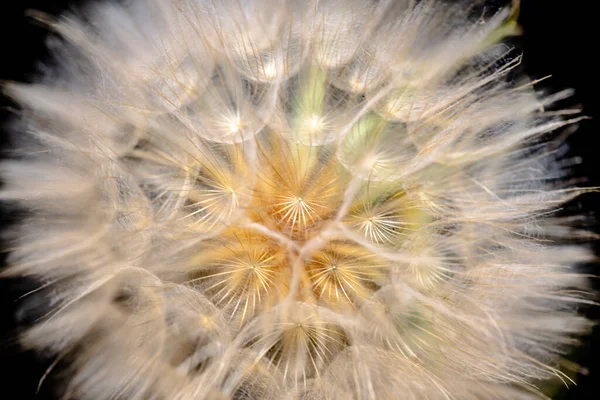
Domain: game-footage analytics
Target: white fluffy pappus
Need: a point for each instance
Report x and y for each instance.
(268, 199)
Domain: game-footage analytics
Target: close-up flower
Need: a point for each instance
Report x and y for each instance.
(279, 199)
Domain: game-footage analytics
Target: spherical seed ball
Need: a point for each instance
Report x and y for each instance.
(275, 199)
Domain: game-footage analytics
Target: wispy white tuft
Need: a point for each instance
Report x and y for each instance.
(274, 199)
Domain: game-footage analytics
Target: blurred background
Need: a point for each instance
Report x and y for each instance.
(558, 40)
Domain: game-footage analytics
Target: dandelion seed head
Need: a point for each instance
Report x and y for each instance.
(277, 199)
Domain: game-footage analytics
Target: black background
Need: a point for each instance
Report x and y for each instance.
(560, 39)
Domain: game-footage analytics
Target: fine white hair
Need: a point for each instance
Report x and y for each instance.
(270, 199)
